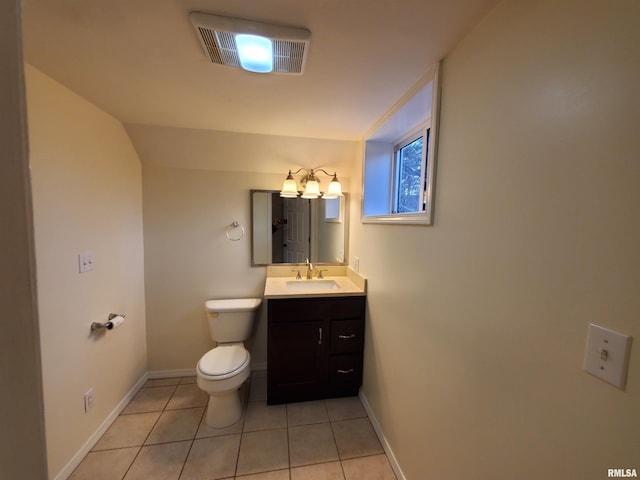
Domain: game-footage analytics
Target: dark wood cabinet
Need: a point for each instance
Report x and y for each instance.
(314, 348)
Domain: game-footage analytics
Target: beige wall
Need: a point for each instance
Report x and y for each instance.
(477, 325)
(87, 196)
(188, 258)
(22, 442)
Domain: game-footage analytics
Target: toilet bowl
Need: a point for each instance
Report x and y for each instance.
(222, 371)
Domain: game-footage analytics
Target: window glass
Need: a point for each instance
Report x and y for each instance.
(409, 177)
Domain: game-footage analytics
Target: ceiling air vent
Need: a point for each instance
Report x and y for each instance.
(218, 35)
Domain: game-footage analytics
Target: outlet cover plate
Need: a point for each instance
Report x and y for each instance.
(85, 261)
(607, 355)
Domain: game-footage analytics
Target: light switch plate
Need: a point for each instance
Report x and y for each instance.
(607, 355)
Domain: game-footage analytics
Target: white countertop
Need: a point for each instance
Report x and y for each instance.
(349, 283)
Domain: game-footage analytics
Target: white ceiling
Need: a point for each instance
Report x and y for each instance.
(140, 60)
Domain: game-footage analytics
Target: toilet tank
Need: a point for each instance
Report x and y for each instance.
(231, 320)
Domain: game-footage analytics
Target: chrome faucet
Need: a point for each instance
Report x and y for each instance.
(309, 269)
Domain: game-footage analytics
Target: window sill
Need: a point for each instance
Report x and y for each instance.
(423, 218)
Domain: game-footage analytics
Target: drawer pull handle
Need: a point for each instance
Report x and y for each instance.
(346, 337)
(346, 371)
(320, 336)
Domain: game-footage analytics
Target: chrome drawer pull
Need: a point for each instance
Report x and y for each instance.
(320, 336)
(346, 371)
(345, 337)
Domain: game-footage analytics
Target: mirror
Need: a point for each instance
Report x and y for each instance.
(290, 230)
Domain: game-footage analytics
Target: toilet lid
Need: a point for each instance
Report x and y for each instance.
(223, 360)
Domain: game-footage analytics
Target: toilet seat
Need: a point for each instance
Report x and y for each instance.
(223, 362)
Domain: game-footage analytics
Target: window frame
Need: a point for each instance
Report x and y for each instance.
(385, 152)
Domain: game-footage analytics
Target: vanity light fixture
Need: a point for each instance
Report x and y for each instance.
(254, 46)
(311, 185)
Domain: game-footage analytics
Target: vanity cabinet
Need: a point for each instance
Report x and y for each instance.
(314, 348)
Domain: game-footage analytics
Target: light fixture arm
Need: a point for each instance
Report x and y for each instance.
(311, 173)
(323, 171)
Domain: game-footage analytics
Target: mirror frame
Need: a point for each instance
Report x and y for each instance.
(344, 219)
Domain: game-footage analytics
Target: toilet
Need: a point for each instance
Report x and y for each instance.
(222, 370)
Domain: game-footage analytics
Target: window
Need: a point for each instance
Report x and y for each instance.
(409, 179)
(399, 160)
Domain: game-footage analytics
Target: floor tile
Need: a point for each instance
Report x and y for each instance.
(212, 458)
(107, 465)
(375, 467)
(310, 444)
(278, 475)
(345, 408)
(304, 413)
(263, 451)
(188, 380)
(162, 382)
(322, 471)
(261, 416)
(176, 425)
(159, 462)
(356, 438)
(187, 396)
(127, 431)
(152, 399)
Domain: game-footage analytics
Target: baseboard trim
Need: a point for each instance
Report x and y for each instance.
(187, 372)
(259, 366)
(93, 439)
(383, 440)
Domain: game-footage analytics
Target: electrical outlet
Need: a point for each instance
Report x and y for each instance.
(88, 400)
(85, 261)
(356, 264)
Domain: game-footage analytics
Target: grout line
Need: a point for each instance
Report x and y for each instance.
(335, 441)
(243, 419)
(286, 422)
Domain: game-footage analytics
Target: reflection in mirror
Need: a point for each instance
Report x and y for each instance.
(290, 230)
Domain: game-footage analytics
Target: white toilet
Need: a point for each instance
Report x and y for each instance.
(221, 371)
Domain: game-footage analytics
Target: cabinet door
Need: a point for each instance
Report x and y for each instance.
(297, 361)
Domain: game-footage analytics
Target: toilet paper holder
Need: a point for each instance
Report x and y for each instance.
(108, 324)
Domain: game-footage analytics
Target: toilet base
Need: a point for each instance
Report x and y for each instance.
(224, 409)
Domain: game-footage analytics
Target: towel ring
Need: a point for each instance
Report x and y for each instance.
(232, 228)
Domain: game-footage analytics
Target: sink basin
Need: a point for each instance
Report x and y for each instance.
(312, 285)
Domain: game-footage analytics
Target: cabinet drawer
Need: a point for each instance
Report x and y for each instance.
(347, 336)
(292, 310)
(345, 374)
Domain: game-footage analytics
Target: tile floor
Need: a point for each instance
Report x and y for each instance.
(161, 435)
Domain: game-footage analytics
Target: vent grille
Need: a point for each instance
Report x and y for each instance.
(289, 55)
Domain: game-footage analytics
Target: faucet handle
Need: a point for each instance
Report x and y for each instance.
(320, 276)
(298, 276)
